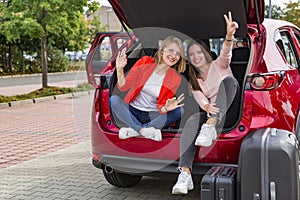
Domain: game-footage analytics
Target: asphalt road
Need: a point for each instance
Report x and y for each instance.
(17, 85)
(7, 81)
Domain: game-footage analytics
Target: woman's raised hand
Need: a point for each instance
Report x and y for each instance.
(231, 25)
(121, 60)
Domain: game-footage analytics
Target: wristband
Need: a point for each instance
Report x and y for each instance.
(165, 109)
(229, 40)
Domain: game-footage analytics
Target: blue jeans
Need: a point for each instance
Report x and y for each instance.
(138, 119)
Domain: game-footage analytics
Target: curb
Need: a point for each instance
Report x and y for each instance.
(43, 99)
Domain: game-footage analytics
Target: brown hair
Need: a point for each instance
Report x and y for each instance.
(193, 72)
(180, 66)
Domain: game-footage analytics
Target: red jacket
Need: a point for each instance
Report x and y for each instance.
(138, 76)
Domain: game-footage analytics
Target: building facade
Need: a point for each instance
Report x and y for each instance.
(107, 18)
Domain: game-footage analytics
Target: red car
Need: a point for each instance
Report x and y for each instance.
(265, 62)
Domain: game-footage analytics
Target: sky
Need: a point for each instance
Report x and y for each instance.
(104, 3)
(277, 2)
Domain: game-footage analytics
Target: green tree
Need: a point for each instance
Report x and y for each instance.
(292, 13)
(55, 23)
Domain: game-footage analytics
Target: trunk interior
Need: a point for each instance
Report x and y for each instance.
(239, 63)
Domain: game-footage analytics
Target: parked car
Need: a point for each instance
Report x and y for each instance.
(83, 56)
(72, 55)
(265, 62)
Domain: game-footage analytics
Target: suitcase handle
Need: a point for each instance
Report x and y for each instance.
(256, 196)
(272, 191)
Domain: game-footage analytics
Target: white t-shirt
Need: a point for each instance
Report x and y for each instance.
(147, 98)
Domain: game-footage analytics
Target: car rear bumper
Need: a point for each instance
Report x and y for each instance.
(147, 166)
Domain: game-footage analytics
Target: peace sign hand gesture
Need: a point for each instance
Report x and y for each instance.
(174, 103)
(231, 26)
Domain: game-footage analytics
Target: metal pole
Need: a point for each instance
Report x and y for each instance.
(270, 9)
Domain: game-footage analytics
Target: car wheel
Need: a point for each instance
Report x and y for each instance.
(119, 179)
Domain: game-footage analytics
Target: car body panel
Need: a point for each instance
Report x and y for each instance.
(274, 60)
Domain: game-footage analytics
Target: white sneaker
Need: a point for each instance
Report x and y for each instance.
(151, 133)
(184, 183)
(207, 134)
(127, 132)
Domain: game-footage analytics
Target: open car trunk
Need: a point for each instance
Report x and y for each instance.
(150, 21)
(239, 63)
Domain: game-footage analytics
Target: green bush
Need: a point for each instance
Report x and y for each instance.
(57, 61)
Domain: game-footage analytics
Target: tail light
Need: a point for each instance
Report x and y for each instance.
(265, 81)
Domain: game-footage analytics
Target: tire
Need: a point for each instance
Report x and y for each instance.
(119, 179)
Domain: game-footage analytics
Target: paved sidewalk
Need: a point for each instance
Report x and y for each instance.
(69, 174)
(30, 130)
(45, 154)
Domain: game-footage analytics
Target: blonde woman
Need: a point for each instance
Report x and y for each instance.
(151, 84)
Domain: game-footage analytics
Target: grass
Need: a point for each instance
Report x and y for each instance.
(44, 92)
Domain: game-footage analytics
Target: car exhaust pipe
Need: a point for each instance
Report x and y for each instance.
(108, 169)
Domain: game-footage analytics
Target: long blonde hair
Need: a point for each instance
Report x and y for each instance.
(180, 66)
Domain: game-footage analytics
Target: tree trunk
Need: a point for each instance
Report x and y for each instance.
(23, 62)
(9, 59)
(44, 62)
(3, 58)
